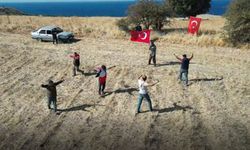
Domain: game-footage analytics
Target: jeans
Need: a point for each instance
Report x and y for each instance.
(53, 101)
(140, 98)
(75, 68)
(101, 88)
(183, 76)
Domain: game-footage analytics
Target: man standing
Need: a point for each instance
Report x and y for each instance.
(76, 63)
(152, 55)
(54, 35)
(102, 74)
(184, 67)
(143, 93)
(51, 93)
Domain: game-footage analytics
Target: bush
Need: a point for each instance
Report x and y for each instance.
(123, 24)
(238, 22)
(148, 13)
(186, 8)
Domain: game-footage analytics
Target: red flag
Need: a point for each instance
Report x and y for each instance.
(140, 36)
(194, 24)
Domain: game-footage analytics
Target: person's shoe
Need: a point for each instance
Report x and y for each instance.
(137, 112)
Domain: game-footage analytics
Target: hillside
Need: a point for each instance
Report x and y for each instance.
(212, 113)
(10, 11)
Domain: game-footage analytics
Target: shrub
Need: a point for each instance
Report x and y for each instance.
(148, 13)
(186, 8)
(238, 22)
(123, 24)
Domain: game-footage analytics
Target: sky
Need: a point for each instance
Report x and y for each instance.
(57, 0)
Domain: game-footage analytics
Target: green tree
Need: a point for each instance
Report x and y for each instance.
(148, 13)
(186, 8)
(238, 22)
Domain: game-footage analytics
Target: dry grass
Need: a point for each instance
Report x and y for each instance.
(211, 30)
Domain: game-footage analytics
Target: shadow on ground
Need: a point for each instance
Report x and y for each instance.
(127, 89)
(78, 108)
(175, 108)
(206, 79)
(171, 63)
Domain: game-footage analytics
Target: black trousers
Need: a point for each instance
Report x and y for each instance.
(55, 40)
(150, 58)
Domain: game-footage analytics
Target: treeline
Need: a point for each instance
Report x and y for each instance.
(155, 14)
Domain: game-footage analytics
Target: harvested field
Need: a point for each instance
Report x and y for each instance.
(212, 113)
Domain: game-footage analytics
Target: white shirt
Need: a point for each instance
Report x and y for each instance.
(142, 86)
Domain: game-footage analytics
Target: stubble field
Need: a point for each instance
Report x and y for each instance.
(212, 113)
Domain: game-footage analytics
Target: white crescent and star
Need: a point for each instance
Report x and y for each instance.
(145, 35)
(194, 22)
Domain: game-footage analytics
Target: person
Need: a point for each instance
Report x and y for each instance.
(102, 77)
(54, 35)
(51, 93)
(184, 67)
(76, 63)
(138, 27)
(143, 93)
(152, 55)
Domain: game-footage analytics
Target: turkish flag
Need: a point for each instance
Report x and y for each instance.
(140, 36)
(194, 24)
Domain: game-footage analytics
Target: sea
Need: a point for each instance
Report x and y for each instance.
(92, 8)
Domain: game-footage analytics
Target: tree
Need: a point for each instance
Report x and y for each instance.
(149, 13)
(238, 22)
(186, 8)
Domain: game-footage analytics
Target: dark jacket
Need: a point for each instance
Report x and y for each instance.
(51, 88)
(54, 35)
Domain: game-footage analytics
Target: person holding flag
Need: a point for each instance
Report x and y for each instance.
(140, 36)
(194, 25)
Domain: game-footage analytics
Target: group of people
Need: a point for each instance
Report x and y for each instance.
(101, 74)
(143, 92)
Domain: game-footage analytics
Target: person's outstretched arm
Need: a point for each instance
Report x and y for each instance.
(44, 86)
(152, 84)
(178, 57)
(59, 82)
(98, 73)
(191, 57)
(139, 77)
